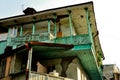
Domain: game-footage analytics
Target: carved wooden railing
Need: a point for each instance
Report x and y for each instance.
(37, 37)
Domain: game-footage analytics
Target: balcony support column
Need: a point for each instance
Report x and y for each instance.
(88, 24)
(33, 29)
(90, 31)
(49, 26)
(9, 37)
(21, 30)
(89, 27)
(29, 62)
(70, 23)
(71, 27)
(9, 32)
(55, 25)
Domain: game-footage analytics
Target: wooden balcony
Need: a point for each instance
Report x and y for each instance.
(75, 40)
(45, 37)
(83, 49)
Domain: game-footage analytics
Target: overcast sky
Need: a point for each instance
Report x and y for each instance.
(107, 15)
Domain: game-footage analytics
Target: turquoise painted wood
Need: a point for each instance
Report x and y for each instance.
(22, 39)
(76, 40)
(9, 37)
(48, 26)
(2, 46)
(55, 25)
(82, 49)
(84, 53)
(33, 29)
(70, 23)
(21, 30)
(89, 27)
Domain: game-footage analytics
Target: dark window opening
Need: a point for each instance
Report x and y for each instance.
(51, 68)
(2, 68)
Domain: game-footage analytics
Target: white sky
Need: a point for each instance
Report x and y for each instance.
(107, 14)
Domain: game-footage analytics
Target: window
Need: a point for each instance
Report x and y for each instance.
(18, 63)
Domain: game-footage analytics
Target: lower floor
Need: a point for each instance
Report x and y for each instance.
(67, 68)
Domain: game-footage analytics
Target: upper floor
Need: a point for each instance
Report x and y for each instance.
(70, 25)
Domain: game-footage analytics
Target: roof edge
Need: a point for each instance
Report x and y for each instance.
(72, 5)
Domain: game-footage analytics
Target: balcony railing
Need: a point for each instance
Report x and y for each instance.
(76, 40)
(38, 76)
(37, 37)
(45, 37)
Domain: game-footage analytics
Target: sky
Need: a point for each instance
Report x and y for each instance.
(107, 15)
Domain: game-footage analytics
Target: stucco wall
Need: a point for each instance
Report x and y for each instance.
(68, 67)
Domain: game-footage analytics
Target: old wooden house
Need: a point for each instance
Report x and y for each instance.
(54, 44)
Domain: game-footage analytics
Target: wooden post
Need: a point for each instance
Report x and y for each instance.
(21, 30)
(55, 25)
(70, 23)
(8, 62)
(49, 26)
(9, 37)
(29, 62)
(90, 32)
(33, 29)
(88, 24)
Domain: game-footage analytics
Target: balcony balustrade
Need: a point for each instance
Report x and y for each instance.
(76, 40)
(37, 37)
(46, 37)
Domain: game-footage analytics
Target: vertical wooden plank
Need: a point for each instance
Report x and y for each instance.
(29, 62)
(21, 30)
(9, 37)
(33, 29)
(71, 27)
(13, 58)
(70, 23)
(49, 26)
(88, 23)
(8, 62)
(55, 25)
